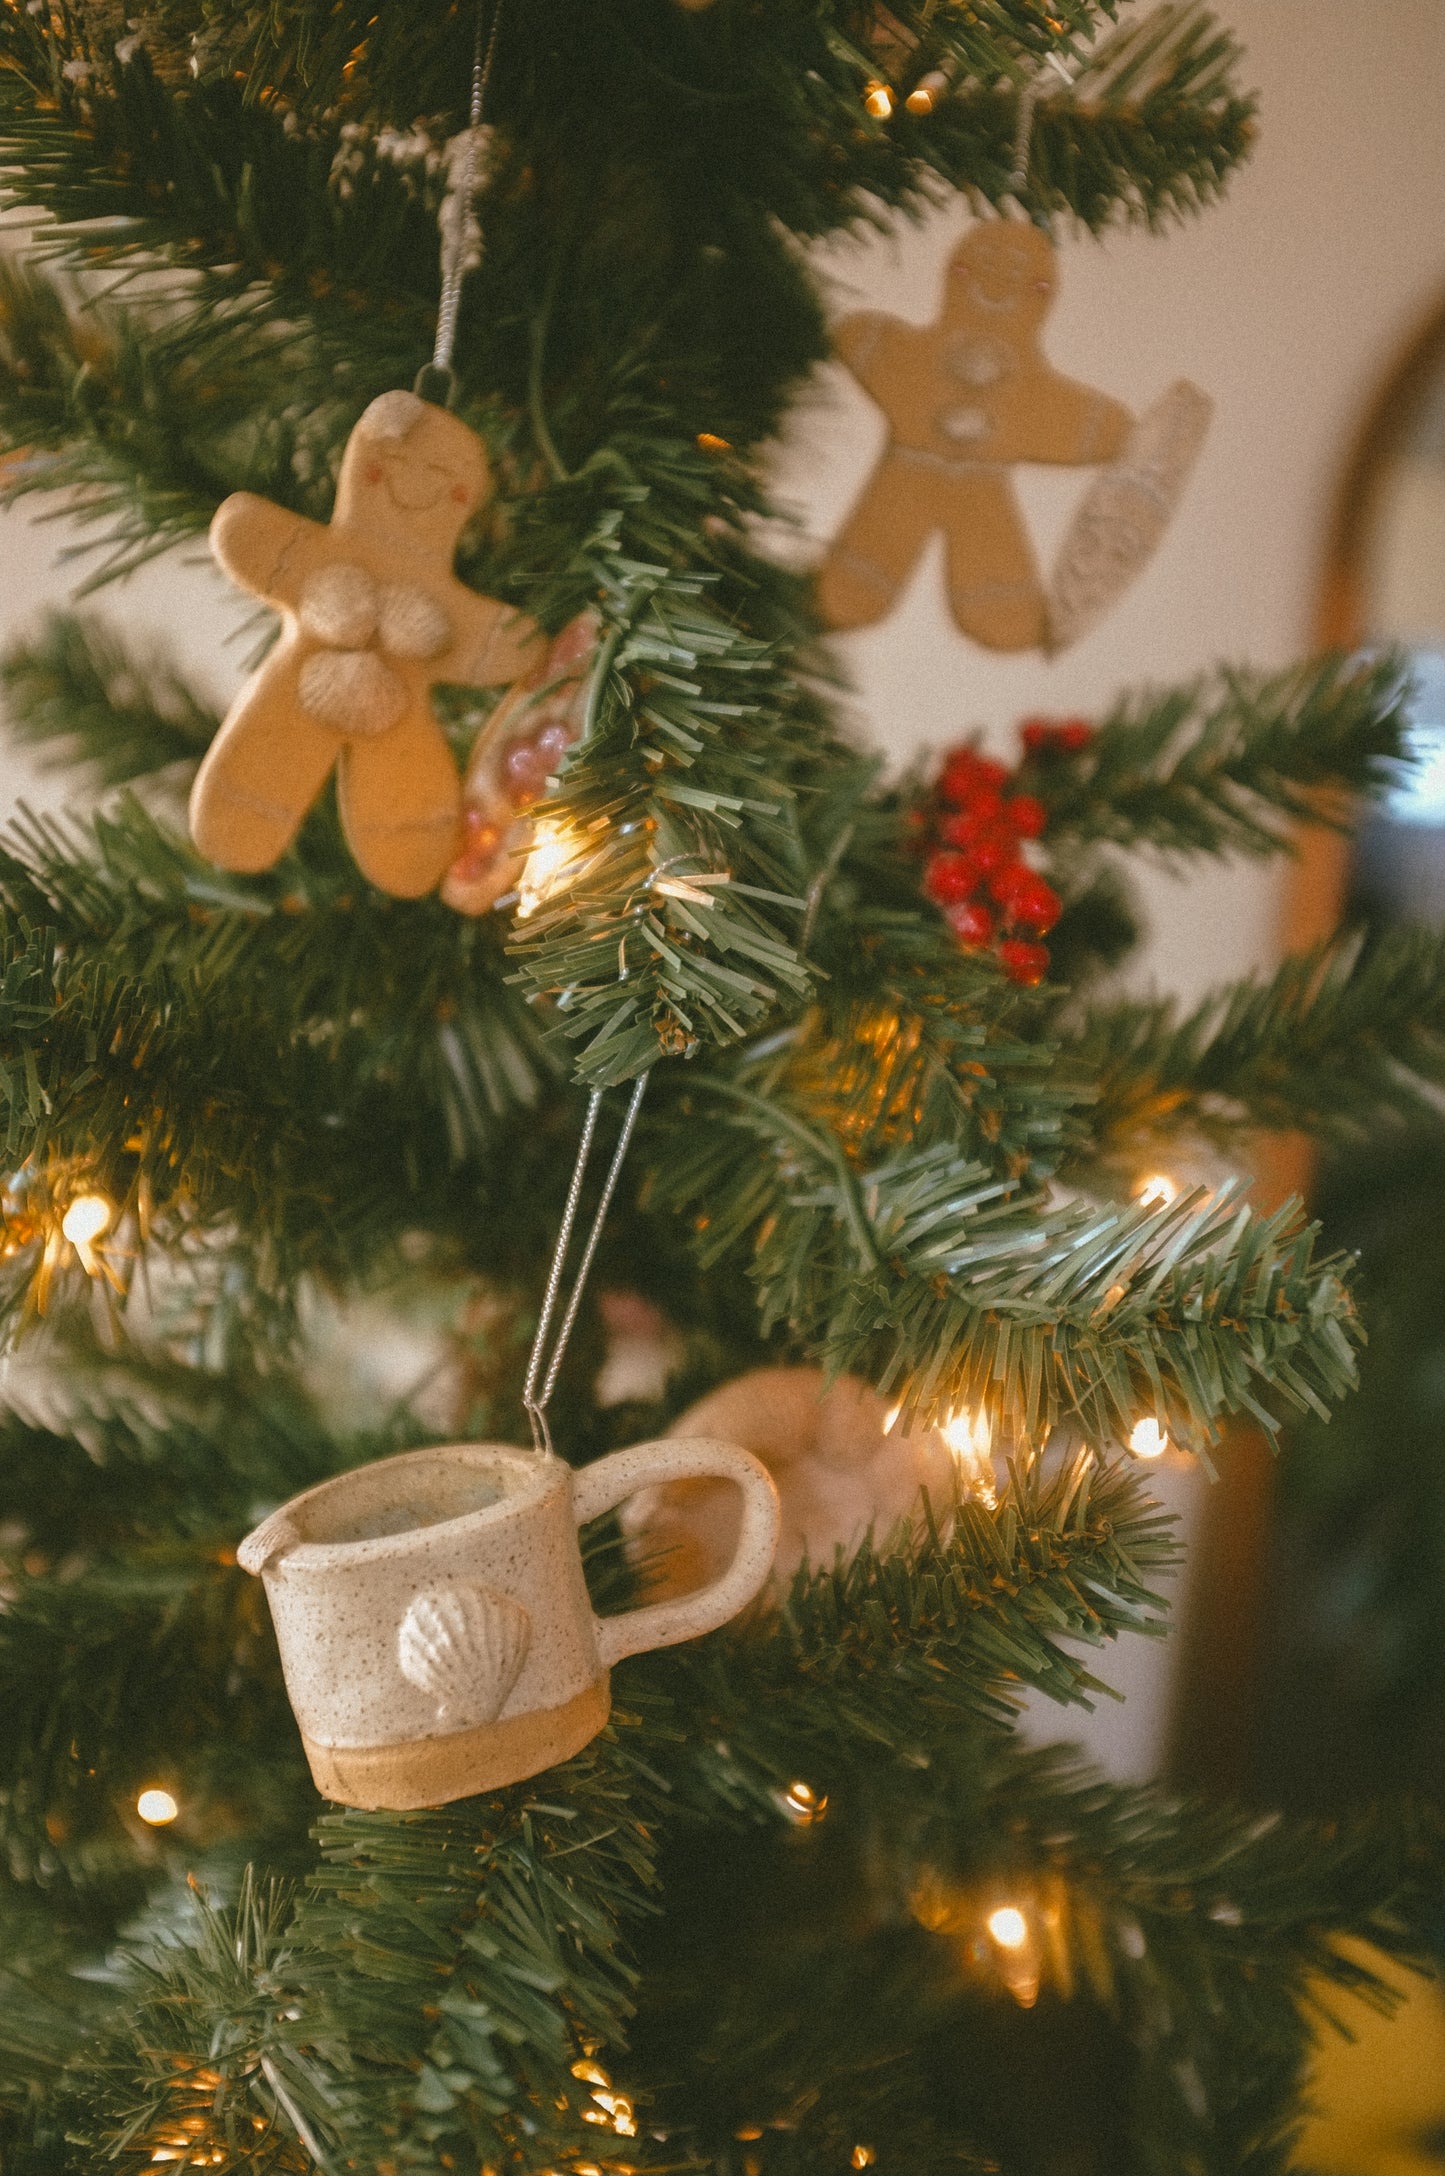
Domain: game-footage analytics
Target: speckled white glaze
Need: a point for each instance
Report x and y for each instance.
(393, 1586)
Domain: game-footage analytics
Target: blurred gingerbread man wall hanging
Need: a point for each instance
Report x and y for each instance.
(966, 399)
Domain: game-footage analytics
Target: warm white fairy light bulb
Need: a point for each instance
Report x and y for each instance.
(1157, 1191)
(804, 1804)
(879, 101)
(87, 1219)
(156, 1807)
(969, 1437)
(1147, 1439)
(926, 92)
(553, 852)
(1008, 1927)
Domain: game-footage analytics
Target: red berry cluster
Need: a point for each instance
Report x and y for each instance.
(1055, 736)
(972, 828)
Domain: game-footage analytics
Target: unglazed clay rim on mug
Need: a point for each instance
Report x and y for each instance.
(536, 1478)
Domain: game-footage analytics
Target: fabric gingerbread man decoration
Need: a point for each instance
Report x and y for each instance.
(965, 398)
(372, 616)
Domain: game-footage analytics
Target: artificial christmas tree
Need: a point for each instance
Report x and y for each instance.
(804, 1903)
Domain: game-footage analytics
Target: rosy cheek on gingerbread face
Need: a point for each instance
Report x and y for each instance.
(461, 494)
(372, 473)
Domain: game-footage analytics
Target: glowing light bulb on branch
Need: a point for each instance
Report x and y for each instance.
(156, 1807)
(84, 1223)
(1157, 1191)
(1017, 1959)
(550, 862)
(969, 1437)
(926, 92)
(87, 1219)
(879, 101)
(804, 1804)
(1148, 1440)
(1008, 1927)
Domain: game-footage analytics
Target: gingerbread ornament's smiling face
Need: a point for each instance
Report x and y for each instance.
(1001, 276)
(408, 463)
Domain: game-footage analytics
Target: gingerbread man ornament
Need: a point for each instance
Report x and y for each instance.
(372, 615)
(965, 398)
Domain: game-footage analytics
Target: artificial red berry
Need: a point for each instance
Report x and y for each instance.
(1074, 734)
(1036, 904)
(966, 773)
(949, 877)
(995, 849)
(972, 923)
(1024, 963)
(1010, 882)
(957, 779)
(977, 815)
(1027, 814)
(958, 833)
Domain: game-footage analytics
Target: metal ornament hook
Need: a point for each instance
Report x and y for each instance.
(437, 377)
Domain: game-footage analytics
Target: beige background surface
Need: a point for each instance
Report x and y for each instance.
(1287, 304)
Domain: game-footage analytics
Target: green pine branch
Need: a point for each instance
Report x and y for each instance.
(1224, 764)
(107, 1451)
(673, 925)
(1212, 1934)
(447, 1970)
(908, 1040)
(196, 2049)
(92, 703)
(905, 1648)
(348, 54)
(443, 1973)
(827, 1977)
(1339, 1040)
(130, 1671)
(1150, 130)
(137, 161)
(147, 420)
(295, 1049)
(933, 1277)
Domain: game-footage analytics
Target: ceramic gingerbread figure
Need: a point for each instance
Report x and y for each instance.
(372, 616)
(965, 398)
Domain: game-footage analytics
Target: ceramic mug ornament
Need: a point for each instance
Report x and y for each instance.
(433, 1618)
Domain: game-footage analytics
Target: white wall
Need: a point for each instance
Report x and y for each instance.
(1287, 305)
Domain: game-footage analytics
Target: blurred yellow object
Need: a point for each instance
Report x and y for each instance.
(1381, 2096)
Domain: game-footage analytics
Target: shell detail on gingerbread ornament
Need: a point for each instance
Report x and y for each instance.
(840, 1476)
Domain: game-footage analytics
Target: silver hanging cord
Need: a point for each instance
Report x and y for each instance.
(537, 1405)
(1024, 131)
(456, 214)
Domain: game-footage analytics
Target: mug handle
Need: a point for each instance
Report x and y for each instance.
(597, 1488)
